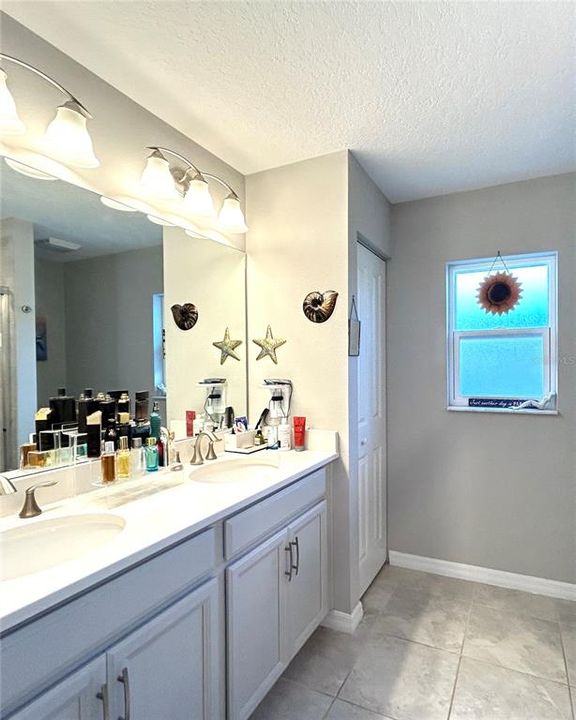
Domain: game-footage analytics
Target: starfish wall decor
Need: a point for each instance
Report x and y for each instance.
(269, 345)
(227, 347)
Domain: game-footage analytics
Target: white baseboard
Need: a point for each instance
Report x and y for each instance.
(344, 622)
(501, 578)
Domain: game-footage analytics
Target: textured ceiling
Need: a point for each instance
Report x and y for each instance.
(432, 97)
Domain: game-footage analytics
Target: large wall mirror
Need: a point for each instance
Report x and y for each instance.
(89, 298)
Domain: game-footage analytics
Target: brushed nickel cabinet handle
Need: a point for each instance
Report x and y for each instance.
(103, 695)
(296, 567)
(124, 678)
(288, 549)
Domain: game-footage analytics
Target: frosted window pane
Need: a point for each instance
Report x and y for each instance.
(507, 367)
(531, 311)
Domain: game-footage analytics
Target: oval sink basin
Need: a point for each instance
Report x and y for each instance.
(231, 471)
(43, 544)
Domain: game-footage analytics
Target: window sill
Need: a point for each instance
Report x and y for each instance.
(500, 411)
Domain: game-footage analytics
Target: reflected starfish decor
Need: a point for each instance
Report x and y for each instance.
(269, 345)
(227, 347)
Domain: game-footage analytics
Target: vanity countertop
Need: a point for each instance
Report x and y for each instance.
(158, 512)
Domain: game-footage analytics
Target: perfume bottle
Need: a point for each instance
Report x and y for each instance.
(108, 463)
(123, 459)
(137, 461)
(151, 454)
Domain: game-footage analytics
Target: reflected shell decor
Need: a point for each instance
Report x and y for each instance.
(499, 293)
(318, 307)
(185, 316)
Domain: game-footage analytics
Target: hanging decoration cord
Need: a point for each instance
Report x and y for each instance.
(498, 257)
(353, 309)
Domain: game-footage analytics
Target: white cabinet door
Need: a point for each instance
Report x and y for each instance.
(81, 696)
(307, 602)
(255, 597)
(170, 668)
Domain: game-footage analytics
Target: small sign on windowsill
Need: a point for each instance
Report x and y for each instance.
(494, 403)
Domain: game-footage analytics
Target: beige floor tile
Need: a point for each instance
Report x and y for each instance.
(566, 610)
(487, 692)
(437, 584)
(438, 621)
(325, 660)
(525, 644)
(568, 631)
(401, 679)
(291, 701)
(341, 710)
(376, 598)
(516, 601)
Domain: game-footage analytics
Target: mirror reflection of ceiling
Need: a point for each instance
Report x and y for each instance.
(66, 212)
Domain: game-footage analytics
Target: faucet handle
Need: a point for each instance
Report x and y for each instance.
(30, 507)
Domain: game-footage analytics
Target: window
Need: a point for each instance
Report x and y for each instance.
(498, 362)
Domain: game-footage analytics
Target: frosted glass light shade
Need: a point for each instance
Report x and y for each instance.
(157, 179)
(67, 137)
(10, 123)
(231, 216)
(198, 200)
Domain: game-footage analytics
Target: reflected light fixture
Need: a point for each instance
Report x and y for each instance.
(193, 185)
(10, 123)
(116, 204)
(66, 137)
(24, 169)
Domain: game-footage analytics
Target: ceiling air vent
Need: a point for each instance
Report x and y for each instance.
(57, 245)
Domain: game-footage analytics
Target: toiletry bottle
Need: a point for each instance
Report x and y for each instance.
(299, 432)
(94, 434)
(110, 432)
(108, 463)
(123, 459)
(151, 452)
(284, 435)
(86, 406)
(137, 461)
(63, 408)
(124, 403)
(155, 421)
(141, 406)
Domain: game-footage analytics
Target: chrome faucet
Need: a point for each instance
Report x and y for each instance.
(197, 457)
(7, 487)
(31, 507)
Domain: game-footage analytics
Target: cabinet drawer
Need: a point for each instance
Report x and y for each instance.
(51, 646)
(249, 526)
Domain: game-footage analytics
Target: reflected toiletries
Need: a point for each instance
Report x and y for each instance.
(151, 454)
(137, 461)
(284, 436)
(123, 459)
(108, 463)
(63, 408)
(86, 406)
(141, 406)
(94, 434)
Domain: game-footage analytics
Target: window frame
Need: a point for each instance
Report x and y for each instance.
(549, 333)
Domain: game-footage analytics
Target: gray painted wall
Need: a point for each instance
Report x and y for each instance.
(51, 305)
(109, 320)
(486, 489)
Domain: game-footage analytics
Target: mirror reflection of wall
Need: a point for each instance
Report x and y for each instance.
(86, 309)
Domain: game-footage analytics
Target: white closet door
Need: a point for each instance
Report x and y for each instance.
(371, 416)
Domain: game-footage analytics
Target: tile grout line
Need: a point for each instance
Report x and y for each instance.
(571, 698)
(461, 655)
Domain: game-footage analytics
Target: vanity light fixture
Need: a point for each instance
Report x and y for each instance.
(192, 184)
(24, 169)
(67, 136)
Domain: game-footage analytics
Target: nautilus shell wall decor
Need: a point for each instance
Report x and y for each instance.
(499, 293)
(185, 316)
(318, 307)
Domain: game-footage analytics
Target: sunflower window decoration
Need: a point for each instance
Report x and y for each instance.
(499, 292)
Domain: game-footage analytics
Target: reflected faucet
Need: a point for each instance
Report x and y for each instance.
(197, 458)
(7, 487)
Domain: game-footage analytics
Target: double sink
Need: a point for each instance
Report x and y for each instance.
(42, 544)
